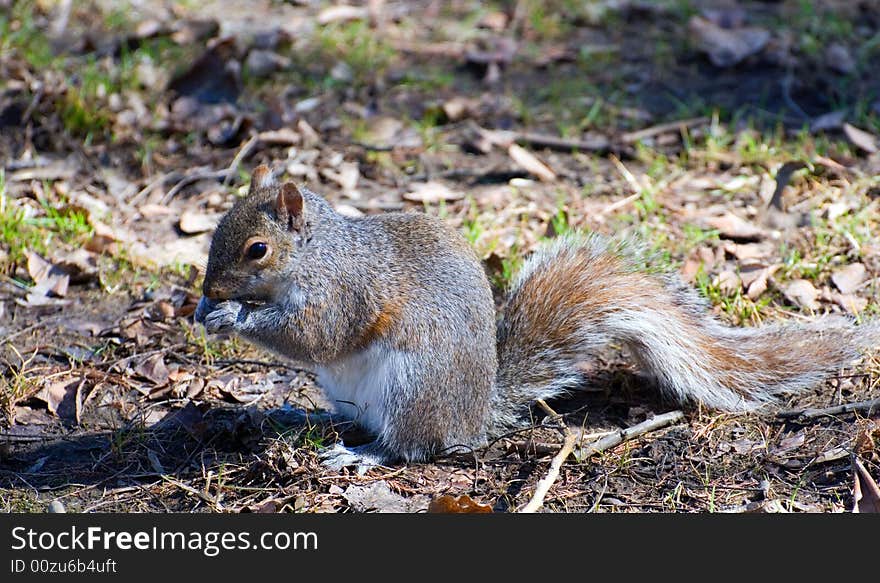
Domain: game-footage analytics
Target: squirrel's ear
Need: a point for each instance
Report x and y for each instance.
(289, 205)
(262, 177)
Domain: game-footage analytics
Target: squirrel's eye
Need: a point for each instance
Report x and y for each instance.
(257, 250)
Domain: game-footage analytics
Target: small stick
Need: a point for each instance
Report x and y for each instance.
(191, 178)
(242, 153)
(812, 413)
(633, 137)
(619, 437)
(557, 143)
(544, 485)
(619, 204)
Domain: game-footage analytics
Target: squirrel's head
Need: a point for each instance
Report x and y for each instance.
(256, 241)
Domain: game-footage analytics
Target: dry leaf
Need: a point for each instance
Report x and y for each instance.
(802, 293)
(63, 398)
(431, 193)
(378, 497)
(728, 281)
(531, 163)
(193, 222)
(866, 493)
(342, 13)
(731, 226)
(154, 370)
(848, 279)
(461, 505)
(347, 176)
(727, 47)
(852, 303)
(861, 138)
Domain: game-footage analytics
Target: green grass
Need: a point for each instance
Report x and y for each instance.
(19, 34)
(366, 53)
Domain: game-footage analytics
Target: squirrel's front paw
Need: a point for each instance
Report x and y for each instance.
(205, 307)
(222, 318)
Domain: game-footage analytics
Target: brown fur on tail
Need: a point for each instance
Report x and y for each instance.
(579, 294)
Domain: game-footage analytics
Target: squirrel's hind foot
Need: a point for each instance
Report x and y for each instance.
(362, 457)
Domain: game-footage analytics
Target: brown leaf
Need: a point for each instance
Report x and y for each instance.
(802, 293)
(431, 193)
(63, 398)
(193, 222)
(852, 303)
(461, 505)
(530, 162)
(342, 13)
(728, 281)
(731, 226)
(727, 47)
(379, 497)
(47, 277)
(154, 370)
(191, 419)
(861, 138)
(866, 493)
(848, 279)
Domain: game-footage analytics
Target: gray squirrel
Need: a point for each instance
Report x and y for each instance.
(395, 315)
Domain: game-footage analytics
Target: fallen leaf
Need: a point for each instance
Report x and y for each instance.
(190, 418)
(861, 138)
(790, 443)
(840, 58)
(431, 193)
(346, 176)
(731, 226)
(802, 293)
(728, 281)
(63, 398)
(866, 493)
(47, 277)
(727, 47)
(378, 497)
(459, 107)
(461, 505)
(747, 251)
(833, 120)
(154, 370)
(852, 303)
(529, 162)
(848, 279)
(193, 222)
(342, 13)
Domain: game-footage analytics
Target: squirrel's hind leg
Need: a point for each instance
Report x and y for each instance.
(362, 457)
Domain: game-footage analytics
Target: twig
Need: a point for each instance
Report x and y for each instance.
(151, 185)
(619, 437)
(191, 178)
(563, 144)
(553, 473)
(627, 175)
(619, 204)
(633, 137)
(241, 155)
(812, 413)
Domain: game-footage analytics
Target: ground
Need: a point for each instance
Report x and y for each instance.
(127, 129)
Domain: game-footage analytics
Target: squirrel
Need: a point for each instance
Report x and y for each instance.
(395, 315)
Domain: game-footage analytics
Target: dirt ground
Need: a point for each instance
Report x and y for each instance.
(739, 140)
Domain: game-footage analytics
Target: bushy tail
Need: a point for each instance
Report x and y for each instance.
(579, 294)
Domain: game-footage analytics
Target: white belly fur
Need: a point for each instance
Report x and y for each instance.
(357, 384)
